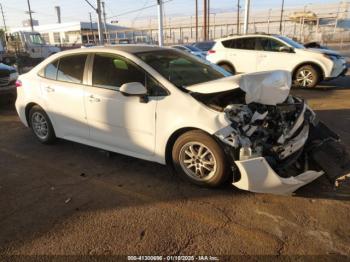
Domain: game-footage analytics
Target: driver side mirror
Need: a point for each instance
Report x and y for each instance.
(133, 89)
(286, 49)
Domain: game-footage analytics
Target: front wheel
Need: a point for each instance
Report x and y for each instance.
(198, 158)
(306, 76)
(41, 125)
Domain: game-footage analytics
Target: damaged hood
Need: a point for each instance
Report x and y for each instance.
(269, 88)
(323, 51)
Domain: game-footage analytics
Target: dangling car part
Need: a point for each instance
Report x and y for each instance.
(275, 139)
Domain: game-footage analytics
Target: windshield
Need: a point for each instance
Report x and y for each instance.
(291, 42)
(36, 39)
(181, 69)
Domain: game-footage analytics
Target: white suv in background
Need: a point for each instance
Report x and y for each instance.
(252, 53)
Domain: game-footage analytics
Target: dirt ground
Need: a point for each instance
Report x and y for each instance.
(70, 199)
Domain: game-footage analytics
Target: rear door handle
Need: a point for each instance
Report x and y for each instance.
(49, 89)
(94, 99)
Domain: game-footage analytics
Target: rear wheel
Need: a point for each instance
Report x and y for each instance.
(41, 125)
(306, 76)
(198, 158)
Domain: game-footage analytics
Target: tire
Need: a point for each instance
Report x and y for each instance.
(196, 168)
(41, 125)
(228, 68)
(306, 76)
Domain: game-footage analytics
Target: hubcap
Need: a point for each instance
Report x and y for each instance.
(197, 161)
(305, 78)
(39, 125)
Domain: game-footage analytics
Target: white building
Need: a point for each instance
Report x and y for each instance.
(73, 33)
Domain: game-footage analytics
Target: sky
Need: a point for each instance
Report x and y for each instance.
(125, 10)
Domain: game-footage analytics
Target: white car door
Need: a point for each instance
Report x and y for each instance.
(125, 123)
(63, 91)
(240, 52)
(274, 55)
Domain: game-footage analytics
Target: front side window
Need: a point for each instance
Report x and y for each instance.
(112, 71)
(179, 68)
(71, 68)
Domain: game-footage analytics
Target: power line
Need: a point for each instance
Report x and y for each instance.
(137, 10)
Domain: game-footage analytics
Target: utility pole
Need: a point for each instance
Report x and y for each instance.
(196, 20)
(205, 37)
(281, 18)
(99, 19)
(246, 16)
(30, 15)
(238, 9)
(99, 22)
(91, 30)
(104, 22)
(3, 18)
(208, 18)
(160, 22)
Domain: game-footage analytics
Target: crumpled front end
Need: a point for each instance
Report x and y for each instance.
(273, 147)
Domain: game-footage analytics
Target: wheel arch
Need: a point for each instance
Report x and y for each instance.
(317, 66)
(226, 62)
(29, 106)
(172, 139)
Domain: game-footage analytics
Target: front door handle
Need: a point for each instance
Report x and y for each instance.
(49, 89)
(94, 99)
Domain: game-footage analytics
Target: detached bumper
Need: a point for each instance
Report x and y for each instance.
(257, 176)
(338, 70)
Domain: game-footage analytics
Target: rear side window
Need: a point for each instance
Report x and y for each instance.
(50, 71)
(247, 43)
(71, 68)
(227, 43)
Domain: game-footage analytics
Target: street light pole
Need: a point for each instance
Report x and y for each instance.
(281, 16)
(246, 16)
(160, 22)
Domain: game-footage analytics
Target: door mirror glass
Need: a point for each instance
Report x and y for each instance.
(133, 89)
(286, 49)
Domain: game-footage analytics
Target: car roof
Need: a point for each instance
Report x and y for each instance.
(244, 36)
(130, 48)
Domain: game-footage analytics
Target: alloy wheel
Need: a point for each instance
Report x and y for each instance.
(197, 161)
(40, 125)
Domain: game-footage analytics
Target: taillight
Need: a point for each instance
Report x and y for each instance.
(211, 52)
(18, 83)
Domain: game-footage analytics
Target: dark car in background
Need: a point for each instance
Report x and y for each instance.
(8, 77)
(204, 46)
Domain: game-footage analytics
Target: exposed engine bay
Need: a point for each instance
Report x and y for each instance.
(271, 144)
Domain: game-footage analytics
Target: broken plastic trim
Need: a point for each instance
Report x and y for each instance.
(257, 176)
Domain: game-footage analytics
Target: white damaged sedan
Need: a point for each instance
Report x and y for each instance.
(163, 105)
